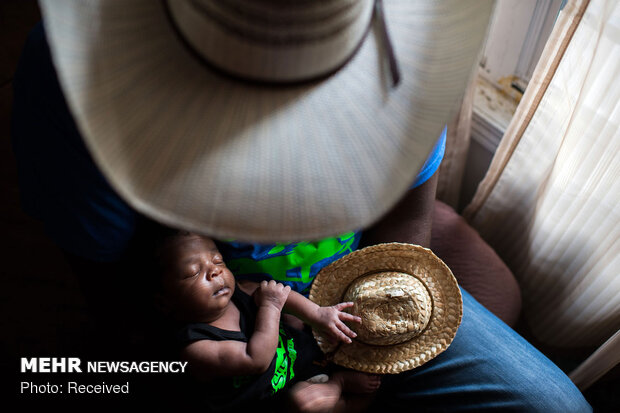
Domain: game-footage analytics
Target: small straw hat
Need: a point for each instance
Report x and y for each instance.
(409, 302)
(263, 120)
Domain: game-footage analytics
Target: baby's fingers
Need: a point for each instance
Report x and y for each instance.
(342, 327)
(337, 332)
(349, 317)
(342, 306)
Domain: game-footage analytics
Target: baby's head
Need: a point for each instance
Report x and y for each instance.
(196, 285)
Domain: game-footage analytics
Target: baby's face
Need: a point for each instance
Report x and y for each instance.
(196, 282)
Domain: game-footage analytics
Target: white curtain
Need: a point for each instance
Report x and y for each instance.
(550, 203)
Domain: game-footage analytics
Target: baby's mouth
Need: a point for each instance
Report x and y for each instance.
(221, 291)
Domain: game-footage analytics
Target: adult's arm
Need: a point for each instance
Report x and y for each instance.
(409, 221)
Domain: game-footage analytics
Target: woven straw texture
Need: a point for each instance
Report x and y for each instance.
(409, 302)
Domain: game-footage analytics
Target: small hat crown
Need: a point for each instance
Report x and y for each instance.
(273, 40)
(280, 22)
(394, 307)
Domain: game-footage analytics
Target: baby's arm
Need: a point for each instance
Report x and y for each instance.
(328, 320)
(210, 359)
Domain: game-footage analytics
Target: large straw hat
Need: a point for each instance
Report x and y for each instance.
(263, 120)
(409, 302)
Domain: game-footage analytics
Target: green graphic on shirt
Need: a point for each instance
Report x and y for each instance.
(285, 359)
(302, 257)
(292, 354)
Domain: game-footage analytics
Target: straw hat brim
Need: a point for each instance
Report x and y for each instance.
(331, 283)
(197, 150)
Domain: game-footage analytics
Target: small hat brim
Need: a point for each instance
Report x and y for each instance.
(197, 150)
(331, 283)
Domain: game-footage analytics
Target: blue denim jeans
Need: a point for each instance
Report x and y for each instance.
(488, 367)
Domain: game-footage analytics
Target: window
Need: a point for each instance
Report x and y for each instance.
(517, 35)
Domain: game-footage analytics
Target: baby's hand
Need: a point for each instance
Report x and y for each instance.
(271, 293)
(330, 321)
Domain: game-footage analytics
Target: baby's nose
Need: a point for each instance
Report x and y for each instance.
(214, 272)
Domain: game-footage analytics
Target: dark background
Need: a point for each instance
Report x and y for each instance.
(43, 312)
